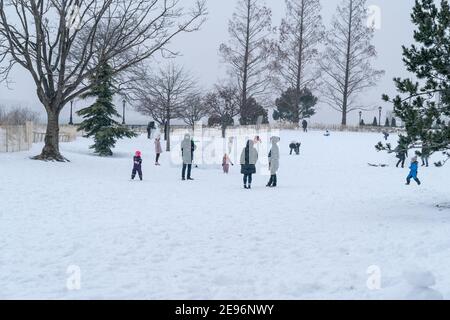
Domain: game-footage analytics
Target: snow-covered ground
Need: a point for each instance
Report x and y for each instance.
(315, 236)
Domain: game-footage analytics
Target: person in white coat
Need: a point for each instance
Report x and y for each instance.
(187, 152)
(274, 162)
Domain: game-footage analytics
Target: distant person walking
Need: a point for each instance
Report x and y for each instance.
(249, 157)
(305, 125)
(137, 165)
(158, 150)
(226, 161)
(414, 168)
(274, 162)
(187, 152)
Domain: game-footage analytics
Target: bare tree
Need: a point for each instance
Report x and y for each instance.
(250, 48)
(346, 61)
(301, 32)
(223, 105)
(61, 43)
(193, 110)
(163, 95)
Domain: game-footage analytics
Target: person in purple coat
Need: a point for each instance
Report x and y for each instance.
(137, 166)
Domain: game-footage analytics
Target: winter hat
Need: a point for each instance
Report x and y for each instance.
(414, 159)
(138, 153)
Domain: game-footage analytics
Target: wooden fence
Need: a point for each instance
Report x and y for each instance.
(16, 138)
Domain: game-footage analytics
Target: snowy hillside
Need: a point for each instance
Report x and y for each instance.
(315, 236)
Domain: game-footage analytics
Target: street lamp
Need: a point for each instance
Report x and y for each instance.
(71, 113)
(123, 114)
(360, 117)
(379, 116)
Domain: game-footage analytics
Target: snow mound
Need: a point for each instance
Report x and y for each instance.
(420, 283)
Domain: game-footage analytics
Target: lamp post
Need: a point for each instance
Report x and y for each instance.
(360, 117)
(123, 114)
(379, 116)
(71, 113)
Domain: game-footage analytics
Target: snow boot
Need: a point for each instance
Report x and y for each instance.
(274, 184)
(269, 184)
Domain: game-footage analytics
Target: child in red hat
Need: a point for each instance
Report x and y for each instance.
(137, 167)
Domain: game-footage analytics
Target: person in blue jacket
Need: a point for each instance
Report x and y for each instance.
(414, 168)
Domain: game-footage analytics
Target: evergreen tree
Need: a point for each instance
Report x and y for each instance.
(387, 123)
(99, 117)
(394, 123)
(251, 112)
(289, 109)
(375, 122)
(418, 105)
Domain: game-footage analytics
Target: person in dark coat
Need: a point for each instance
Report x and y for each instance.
(401, 155)
(425, 155)
(137, 166)
(386, 135)
(249, 157)
(305, 125)
(414, 168)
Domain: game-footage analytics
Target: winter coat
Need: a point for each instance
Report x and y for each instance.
(249, 157)
(187, 149)
(274, 156)
(158, 148)
(414, 168)
(304, 124)
(137, 161)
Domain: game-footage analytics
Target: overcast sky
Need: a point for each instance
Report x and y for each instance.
(199, 54)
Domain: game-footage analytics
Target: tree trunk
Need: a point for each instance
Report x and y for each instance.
(50, 152)
(168, 136)
(224, 129)
(347, 66)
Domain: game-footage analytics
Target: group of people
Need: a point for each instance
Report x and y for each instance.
(402, 154)
(248, 160)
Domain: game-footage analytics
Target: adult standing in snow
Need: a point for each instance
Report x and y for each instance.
(305, 125)
(249, 157)
(425, 155)
(274, 161)
(401, 155)
(414, 168)
(187, 152)
(158, 149)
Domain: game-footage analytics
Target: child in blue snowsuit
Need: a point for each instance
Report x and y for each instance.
(137, 166)
(414, 168)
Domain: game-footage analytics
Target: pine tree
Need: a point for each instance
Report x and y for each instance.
(387, 123)
(375, 122)
(289, 109)
(99, 117)
(423, 104)
(252, 111)
(394, 123)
